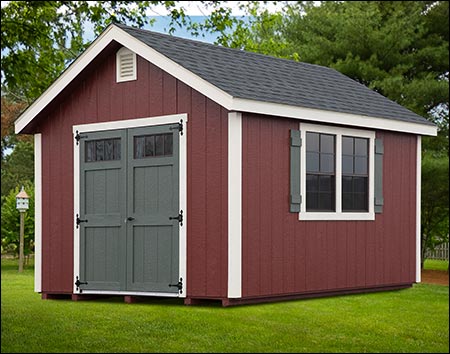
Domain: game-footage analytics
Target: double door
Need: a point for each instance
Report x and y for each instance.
(129, 210)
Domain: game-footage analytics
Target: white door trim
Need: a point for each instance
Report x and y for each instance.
(125, 124)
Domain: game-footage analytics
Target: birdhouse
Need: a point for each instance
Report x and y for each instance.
(22, 200)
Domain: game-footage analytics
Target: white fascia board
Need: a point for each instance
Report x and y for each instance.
(322, 116)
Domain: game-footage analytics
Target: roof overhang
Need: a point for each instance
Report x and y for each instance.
(114, 33)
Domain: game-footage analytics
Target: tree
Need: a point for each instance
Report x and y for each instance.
(435, 202)
(11, 222)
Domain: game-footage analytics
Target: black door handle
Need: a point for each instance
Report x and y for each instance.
(130, 218)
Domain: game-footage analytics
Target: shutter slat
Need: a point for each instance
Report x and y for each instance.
(295, 196)
(379, 200)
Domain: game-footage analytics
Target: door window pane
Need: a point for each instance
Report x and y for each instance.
(154, 145)
(102, 150)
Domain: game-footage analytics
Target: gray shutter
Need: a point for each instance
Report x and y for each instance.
(379, 200)
(295, 197)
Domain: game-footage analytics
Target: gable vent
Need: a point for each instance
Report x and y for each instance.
(126, 65)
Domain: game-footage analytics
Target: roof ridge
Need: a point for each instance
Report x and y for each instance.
(221, 47)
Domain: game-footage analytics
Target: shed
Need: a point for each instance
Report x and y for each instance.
(175, 168)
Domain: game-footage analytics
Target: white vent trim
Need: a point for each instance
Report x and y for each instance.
(126, 67)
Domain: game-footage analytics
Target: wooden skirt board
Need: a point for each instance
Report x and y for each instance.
(129, 208)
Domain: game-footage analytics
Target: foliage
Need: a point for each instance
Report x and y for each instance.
(11, 222)
(435, 202)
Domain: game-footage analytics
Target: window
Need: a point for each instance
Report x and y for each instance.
(102, 150)
(155, 145)
(336, 173)
(320, 172)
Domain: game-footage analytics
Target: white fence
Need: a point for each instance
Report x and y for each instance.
(440, 252)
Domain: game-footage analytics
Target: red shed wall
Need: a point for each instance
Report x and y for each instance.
(98, 98)
(285, 256)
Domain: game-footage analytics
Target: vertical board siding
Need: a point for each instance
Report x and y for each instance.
(282, 255)
(98, 98)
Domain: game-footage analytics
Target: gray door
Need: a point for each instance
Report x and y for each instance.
(129, 193)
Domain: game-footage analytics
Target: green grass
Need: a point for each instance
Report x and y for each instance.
(434, 264)
(410, 320)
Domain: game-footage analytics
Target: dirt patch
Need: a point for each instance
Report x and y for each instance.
(435, 277)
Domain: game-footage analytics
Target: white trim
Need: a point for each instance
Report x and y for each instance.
(206, 88)
(119, 75)
(125, 124)
(418, 206)
(135, 293)
(38, 213)
(338, 214)
(234, 205)
(323, 116)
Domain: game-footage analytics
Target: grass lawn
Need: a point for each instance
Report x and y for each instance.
(410, 320)
(433, 264)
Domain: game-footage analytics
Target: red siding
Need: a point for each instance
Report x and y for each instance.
(285, 256)
(98, 98)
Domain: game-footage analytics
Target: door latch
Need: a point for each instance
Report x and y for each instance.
(179, 217)
(79, 221)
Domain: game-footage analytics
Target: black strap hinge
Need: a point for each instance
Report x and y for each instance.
(179, 217)
(78, 283)
(78, 137)
(78, 221)
(179, 127)
(178, 285)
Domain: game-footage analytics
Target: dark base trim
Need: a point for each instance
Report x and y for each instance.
(257, 300)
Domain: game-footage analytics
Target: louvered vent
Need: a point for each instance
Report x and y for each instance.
(126, 65)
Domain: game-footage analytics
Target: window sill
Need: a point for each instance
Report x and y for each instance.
(304, 216)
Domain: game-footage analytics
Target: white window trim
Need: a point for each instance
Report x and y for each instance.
(338, 214)
(125, 124)
(133, 76)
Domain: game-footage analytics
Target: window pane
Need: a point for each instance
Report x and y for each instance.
(326, 201)
(116, 149)
(99, 150)
(109, 149)
(312, 183)
(312, 201)
(326, 163)
(326, 183)
(312, 162)
(150, 145)
(312, 142)
(347, 145)
(360, 184)
(327, 143)
(347, 184)
(159, 145)
(90, 151)
(347, 201)
(360, 165)
(168, 144)
(347, 164)
(139, 147)
(361, 147)
(360, 202)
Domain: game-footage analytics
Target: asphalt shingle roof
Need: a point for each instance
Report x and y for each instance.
(264, 78)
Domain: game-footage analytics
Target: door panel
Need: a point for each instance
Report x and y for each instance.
(152, 238)
(129, 187)
(102, 204)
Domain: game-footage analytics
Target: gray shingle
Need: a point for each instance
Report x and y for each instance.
(264, 78)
